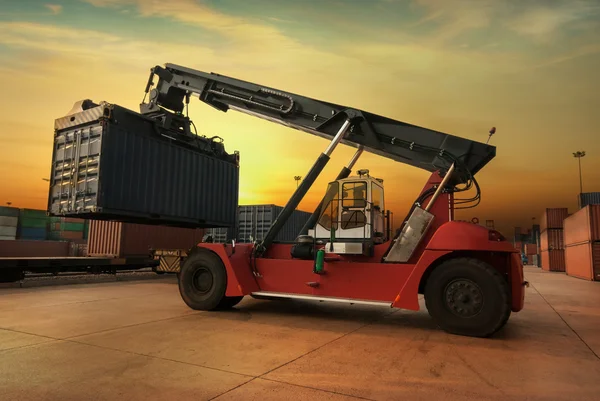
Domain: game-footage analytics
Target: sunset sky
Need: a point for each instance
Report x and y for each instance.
(530, 68)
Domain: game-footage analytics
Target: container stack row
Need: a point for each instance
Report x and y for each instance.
(552, 246)
(36, 225)
(588, 198)
(531, 251)
(9, 221)
(582, 243)
(33, 225)
(68, 229)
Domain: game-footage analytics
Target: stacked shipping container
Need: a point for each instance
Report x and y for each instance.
(67, 229)
(254, 222)
(29, 233)
(531, 250)
(9, 219)
(582, 243)
(166, 180)
(122, 240)
(33, 225)
(552, 250)
(588, 198)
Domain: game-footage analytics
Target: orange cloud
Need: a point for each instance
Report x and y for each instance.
(460, 91)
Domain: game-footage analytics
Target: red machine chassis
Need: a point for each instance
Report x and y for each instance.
(368, 278)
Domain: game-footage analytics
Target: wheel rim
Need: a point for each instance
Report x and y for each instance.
(463, 298)
(202, 280)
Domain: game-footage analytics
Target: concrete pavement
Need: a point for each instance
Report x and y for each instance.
(138, 340)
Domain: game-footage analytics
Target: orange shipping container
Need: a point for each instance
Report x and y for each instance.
(583, 226)
(553, 260)
(551, 239)
(583, 260)
(73, 235)
(553, 218)
(530, 249)
(119, 240)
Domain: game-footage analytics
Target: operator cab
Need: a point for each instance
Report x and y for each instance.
(352, 218)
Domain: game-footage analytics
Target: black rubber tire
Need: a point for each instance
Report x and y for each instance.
(208, 292)
(229, 302)
(482, 282)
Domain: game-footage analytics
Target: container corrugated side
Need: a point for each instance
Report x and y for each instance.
(127, 172)
(104, 238)
(531, 249)
(33, 233)
(552, 239)
(256, 220)
(219, 234)
(589, 198)
(34, 222)
(553, 218)
(33, 213)
(8, 231)
(583, 225)
(553, 260)
(583, 261)
(9, 221)
(116, 239)
(139, 239)
(596, 260)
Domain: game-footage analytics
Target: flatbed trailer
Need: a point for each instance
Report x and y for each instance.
(14, 268)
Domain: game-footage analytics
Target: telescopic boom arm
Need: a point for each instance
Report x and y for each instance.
(406, 143)
(419, 147)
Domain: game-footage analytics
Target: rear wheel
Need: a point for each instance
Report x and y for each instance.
(468, 297)
(229, 302)
(203, 281)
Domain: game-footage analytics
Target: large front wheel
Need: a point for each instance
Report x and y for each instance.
(468, 297)
(203, 282)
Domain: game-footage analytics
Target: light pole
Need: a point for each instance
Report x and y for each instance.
(579, 155)
(297, 178)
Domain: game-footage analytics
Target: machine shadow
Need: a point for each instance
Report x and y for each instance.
(326, 316)
(337, 317)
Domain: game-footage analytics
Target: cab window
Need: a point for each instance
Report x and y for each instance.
(330, 211)
(354, 195)
(377, 196)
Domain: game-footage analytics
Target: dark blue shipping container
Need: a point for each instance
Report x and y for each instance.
(589, 198)
(110, 163)
(33, 233)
